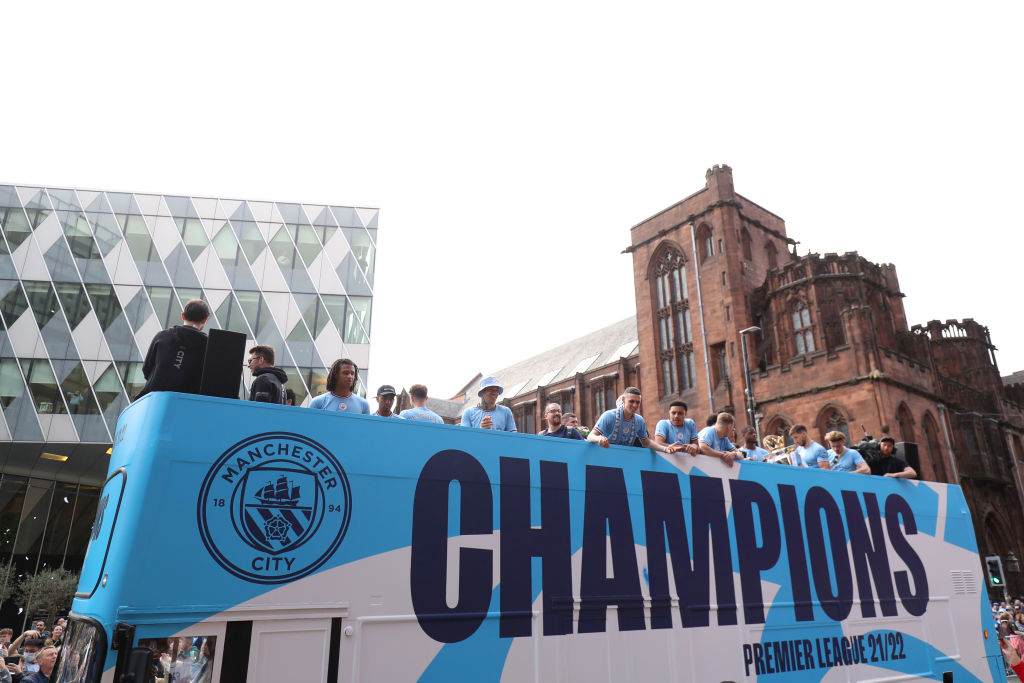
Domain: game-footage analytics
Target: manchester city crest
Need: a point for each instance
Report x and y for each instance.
(274, 507)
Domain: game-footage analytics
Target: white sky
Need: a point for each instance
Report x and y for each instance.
(510, 146)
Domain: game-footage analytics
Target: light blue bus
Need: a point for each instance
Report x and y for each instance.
(247, 543)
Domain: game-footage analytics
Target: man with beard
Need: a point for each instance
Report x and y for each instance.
(267, 381)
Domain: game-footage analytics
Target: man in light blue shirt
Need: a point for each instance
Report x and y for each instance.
(624, 426)
(751, 451)
(678, 428)
(714, 440)
(419, 410)
(489, 415)
(809, 453)
(341, 379)
(843, 459)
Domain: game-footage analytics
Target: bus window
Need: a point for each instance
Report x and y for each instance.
(81, 657)
(182, 659)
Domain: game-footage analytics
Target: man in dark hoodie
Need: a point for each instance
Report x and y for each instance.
(175, 358)
(267, 381)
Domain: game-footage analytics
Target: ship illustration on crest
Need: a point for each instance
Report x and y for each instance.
(282, 494)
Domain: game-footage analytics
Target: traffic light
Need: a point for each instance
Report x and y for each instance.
(994, 566)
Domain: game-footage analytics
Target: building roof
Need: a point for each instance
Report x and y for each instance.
(590, 351)
(448, 410)
(1015, 378)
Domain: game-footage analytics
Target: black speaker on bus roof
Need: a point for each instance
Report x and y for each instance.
(908, 451)
(222, 369)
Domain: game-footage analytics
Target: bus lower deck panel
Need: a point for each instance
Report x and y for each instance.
(250, 542)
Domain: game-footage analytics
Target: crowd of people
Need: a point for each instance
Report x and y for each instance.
(174, 362)
(184, 659)
(30, 657)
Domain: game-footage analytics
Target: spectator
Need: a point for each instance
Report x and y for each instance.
(553, 414)
(489, 415)
(56, 636)
(385, 400)
(268, 382)
(678, 428)
(30, 651)
(751, 451)
(289, 396)
(175, 358)
(809, 453)
(45, 660)
(624, 426)
(572, 420)
(843, 459)
(419, 410)
(341, 382)
(889, 465)
(714, 441)
(39, 626)
(5, 639)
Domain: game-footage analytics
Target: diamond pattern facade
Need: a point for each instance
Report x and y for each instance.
(87, 278)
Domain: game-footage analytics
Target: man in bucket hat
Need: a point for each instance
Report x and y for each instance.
(489, 415)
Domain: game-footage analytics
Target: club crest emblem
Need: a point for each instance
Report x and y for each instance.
(274, 507)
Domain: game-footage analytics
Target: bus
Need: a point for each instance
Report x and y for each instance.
(245, 543)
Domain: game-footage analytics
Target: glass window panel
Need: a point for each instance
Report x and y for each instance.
(193, 235)
(351, 277)
(297, 382)
(62, 510)
(180, 207)
(12, 386)
(9, 197)
(307, 243)
(37, 209)
(33, 521)
(138, 309)
(13, 303)
(283, 249)
(316, 380)
(77, 394)
(357, 322)
(105, 303)
(337, 306)
(250, 238)
(74, 301)
(121, 341)
(122, 202)
(131, 377)
(107, 232)
(42, 299)
(80, 237)
(61, 263)
(163, 301)
(800, 344)
(179, 266)
(226, 246)
(15, 225)
(42, 385)
(84, 516)
(12, 499)
(107, 387)
(229, 316)
(136, 234)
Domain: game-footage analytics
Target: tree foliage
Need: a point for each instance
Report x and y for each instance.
(8, 581)
(47, 593)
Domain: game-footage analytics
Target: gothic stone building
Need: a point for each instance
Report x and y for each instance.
(834, 350)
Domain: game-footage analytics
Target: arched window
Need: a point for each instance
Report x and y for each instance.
(931, 439)
(832, 419)
(672, 317)
(906, 423)
(803, 331)
(705, 242)
(745, 243)
(772, 254)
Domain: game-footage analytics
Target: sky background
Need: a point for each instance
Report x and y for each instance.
(510, 147)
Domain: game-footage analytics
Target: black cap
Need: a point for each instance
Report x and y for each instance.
(385, 390)
(889, 439)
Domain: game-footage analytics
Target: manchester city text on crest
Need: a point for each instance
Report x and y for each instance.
(274, 507)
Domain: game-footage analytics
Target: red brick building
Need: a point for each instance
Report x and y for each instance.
(834, 350)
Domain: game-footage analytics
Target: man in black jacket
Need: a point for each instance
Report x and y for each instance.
(175, 358)
(268, 381)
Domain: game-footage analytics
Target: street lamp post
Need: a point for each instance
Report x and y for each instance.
(748, 392)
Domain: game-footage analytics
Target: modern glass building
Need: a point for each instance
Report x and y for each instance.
(88, 278)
